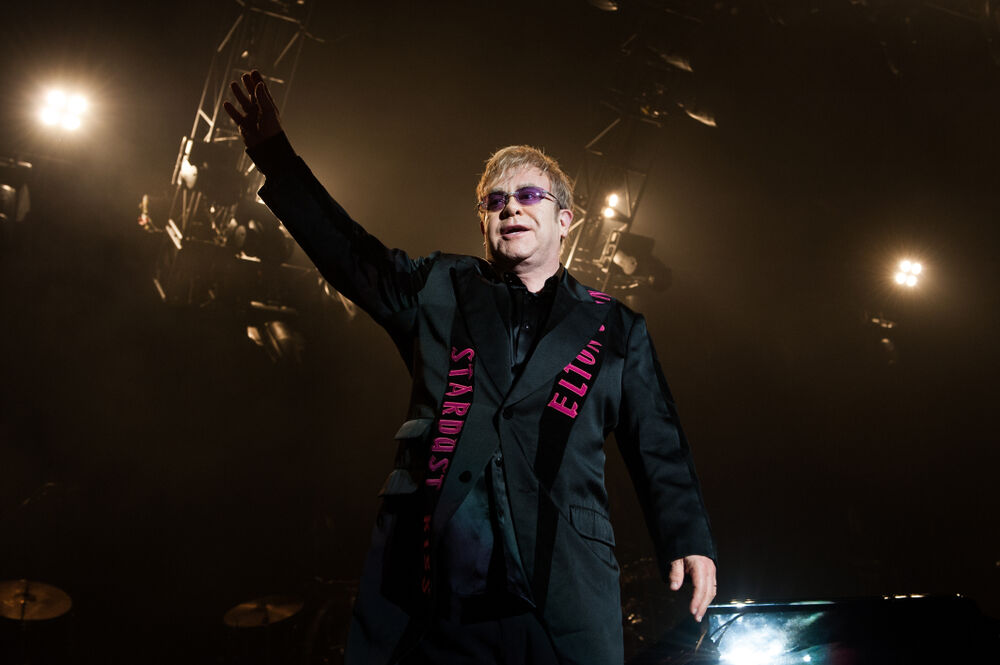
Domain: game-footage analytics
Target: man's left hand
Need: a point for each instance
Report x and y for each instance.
(701, 569)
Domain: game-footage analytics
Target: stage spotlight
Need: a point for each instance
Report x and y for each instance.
(62, 110)
(626, 262)
(211, 169)
(634, 257)
(612, 200)
(76, 105)
(609, 213)
(907, 273)
(50, 116)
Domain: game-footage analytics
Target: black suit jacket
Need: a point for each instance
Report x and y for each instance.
(558, 502)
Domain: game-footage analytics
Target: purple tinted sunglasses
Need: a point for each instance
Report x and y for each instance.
(526, 196)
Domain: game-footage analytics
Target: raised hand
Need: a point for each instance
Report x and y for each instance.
(259, 119)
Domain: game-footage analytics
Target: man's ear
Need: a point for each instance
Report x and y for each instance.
(565, 220)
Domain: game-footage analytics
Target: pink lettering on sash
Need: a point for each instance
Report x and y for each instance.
(559, 404)
(587, 356)
(464, 353)
(455, 408)
(425, 582)
(573, 368)
(580, 390)
(450, 427)
(443, 444)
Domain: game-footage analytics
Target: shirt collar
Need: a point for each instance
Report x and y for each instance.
(513, 281)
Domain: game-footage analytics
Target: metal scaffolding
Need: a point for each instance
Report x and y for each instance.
(611, 168)
(214, 182)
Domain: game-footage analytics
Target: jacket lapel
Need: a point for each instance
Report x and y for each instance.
(478, 306)
(575, 317)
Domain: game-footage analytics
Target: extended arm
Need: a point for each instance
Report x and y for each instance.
(384, 282)
(659, 462)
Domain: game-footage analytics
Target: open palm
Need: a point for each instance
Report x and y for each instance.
(258, 120)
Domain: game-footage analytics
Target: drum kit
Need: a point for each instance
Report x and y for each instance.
(290, 629)
(36, 617)
(270, 630)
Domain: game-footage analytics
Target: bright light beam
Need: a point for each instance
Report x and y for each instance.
(50, 116)
(759, 646)
(63, 111)
(907, 273)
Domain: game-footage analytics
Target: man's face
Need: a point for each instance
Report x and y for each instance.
(525, 236)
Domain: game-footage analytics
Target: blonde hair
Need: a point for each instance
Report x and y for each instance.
(513, 157)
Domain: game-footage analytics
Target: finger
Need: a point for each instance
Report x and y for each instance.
(249, 85)
(237, 117)
(704, 591)
(262, 94)
(264, 98)
(676, 576)
(243, 100)
(700, 599)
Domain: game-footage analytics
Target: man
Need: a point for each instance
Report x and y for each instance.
(492, 542)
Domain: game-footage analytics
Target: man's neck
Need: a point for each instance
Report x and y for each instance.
(533, 277)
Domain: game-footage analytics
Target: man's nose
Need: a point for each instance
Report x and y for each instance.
(511, 206)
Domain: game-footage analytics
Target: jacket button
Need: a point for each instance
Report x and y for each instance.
(465, 476)
(498, 460)
(508, 413)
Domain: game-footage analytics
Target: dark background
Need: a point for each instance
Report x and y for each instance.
(160, 468)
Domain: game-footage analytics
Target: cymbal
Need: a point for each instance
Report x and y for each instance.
(262, 611)
(24, 600)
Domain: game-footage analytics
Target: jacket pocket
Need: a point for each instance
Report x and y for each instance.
(400, 480)
(596, 530)
(592, 524)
